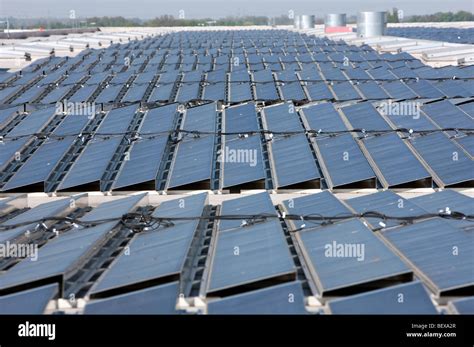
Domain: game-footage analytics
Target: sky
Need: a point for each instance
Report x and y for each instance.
(146, 9)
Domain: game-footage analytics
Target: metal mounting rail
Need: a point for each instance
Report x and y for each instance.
(120, 155)
(168, 156)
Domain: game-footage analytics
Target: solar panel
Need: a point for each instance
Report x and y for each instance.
(450, 164)
(285, 298)
(463, 306)
(32, 124)
(156, 254)
(8, 115)
(239, 92)
(162, 92)
(452, 88)
(188, 91)
(408, 298)
(344, 91)
(447, 115)
(250, 254)
(39, 166)
(348, 254)
(145, 155)
(343, 162)
(468, 108)
(386, 202)
(396, 164)
(446, 199)
(292, 91)
(109, 94)
(32, 301)
(215, 91)
(266, 91)
(324, 203)
(48, 209)
(440, 252)
(155, 300)
(365, 116)
(135, 93)
(372, 91)
(90, 166)
(242, 156)
(318, 91)
(425, 89)
(83, 94)
(62, 255)
(194, 156)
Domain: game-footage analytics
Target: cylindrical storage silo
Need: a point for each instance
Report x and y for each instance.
(371, 24)
(307, 21)
(335, 20)
(297, 22)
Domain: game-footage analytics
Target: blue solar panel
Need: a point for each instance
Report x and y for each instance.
(38, 167)
(145, 155)
(463, 306)
(450, 164)
(61, 255)
(157, 253)
(32, 301)
(194, 156)
(32, 124)
(285, 298)
(324, 203)
(155, 300)
(386, 202)
(372, 91)
(409, 298)
(348, 254)
(250, 254)
(365, 116)
(396, 163)
(440, 252)
(345, 91)
(93, 161)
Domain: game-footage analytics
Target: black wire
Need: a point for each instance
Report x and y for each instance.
(136, 220)
(134, 135)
